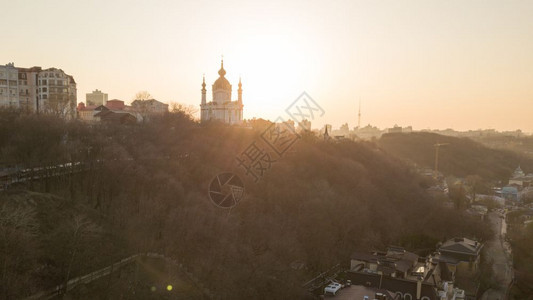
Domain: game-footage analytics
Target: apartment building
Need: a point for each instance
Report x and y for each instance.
(34, 89)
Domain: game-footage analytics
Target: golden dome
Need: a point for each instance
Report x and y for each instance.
(222, 83)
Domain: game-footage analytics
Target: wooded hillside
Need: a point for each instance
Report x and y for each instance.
(148, 185)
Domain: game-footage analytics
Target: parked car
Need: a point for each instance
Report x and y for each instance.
(332, 288)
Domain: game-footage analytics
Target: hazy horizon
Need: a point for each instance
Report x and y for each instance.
(426, 64)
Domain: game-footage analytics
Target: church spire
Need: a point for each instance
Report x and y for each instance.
(239, 91)
(204, 92)
(222, 72)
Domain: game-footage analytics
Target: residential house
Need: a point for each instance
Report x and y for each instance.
(465, 252)
(116, 117)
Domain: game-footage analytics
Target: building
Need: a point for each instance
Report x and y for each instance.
(9, 86)
(37, 90)
(57, 93)
(96, 98)
(221, 108)
(142, 109)
(89, 113)
(462, 254)
(29, 88)
(408, 276)
(520, 179)
(395, 262)
(116, 105)
(304, 125)
(115, 117)
(150, 106)
(86, 113)
(510, 193)
(368, 132)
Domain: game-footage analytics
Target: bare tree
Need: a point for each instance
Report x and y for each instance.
(18, 228)
(82, 231)
(142, 95)
(187, 109)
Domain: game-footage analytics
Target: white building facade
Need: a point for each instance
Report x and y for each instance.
(9, 86)
(37, 90)
(221, 108)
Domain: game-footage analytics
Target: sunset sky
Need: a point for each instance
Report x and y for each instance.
(429, 64)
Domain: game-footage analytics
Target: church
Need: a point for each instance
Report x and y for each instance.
(222, 108)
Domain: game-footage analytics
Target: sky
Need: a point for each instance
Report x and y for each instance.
(427, 64)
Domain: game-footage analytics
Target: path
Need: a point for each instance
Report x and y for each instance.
(500, 252)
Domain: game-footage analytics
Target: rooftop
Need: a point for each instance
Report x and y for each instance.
(461, 245)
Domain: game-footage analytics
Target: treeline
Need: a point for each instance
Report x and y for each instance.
(519, 144)
(461, 157)
(311, 210)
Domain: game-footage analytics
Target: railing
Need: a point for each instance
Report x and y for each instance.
(88, 278)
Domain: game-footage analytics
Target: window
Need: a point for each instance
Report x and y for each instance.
(45, 89)
(44, 81)
(45, 96)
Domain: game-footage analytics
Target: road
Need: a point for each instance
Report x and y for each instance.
(500, 252)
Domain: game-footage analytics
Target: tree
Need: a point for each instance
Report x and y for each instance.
(457, 194)
(187, 109)
(475, 185)
(142, 95)
(18, 229)
(80, 234)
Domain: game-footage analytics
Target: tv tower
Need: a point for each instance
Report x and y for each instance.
(359, 115)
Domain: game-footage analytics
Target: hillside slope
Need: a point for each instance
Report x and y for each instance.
(46, 239)
(311, 210)
(462, 157)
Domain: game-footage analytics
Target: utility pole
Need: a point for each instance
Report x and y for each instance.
(437, 146)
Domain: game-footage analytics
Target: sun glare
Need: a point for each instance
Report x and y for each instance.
(274, 70)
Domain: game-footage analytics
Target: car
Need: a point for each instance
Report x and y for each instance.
(332, 288)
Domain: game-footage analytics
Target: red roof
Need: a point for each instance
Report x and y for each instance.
(86, 108)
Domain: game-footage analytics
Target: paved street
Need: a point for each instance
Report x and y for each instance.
(499, 251)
